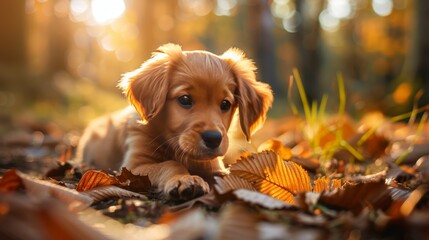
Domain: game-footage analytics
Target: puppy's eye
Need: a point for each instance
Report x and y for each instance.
(185, 101)
(225, 105)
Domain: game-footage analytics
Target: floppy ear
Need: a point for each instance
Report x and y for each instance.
(147, 86)
(253, 98)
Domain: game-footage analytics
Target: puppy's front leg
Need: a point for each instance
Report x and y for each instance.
(172, 179)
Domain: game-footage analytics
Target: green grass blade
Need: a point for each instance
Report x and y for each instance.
(419, 130)
(352, 150)
(322, 107)
(342, 94)
(302, 94)
(289, 97)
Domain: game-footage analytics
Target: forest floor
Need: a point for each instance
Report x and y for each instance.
(330, 179)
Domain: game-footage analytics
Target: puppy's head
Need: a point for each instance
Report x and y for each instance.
(190, 97)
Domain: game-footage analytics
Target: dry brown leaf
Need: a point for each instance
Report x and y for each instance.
(238, 222)
(231, 182)
(42, 189)
(59, 172)
(415, 152)
(374, 146)
(135, 183)
(10, 181)
(210, 199)
(95, 178)
(310, 163)
(356, 197)
(35, 218)
(104, 192)
(192, 224)
(269, 174)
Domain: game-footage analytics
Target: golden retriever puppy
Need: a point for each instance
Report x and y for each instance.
(184, 102)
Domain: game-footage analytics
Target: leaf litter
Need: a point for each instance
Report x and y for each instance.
(326, 177)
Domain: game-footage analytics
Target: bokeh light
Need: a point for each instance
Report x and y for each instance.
(382, 7)
(340, 8)
(225, 7)
(104, 11)
(328, 22)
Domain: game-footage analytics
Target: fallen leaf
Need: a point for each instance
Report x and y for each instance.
(236, 221)
(277, 147)
(356, 197)
(135, 183)
(408, 153)
(411, 202)
(105, 192)
(328, 132)
(10, 181)
(59, 172)
(193, 224)
(376, 177)
(210, 199)
(231, 182)
(95, 178)
(374, 146)
(310, 163)
(269, 174)
(261, 199)
(47, 218)
(399, 194)
(326, 184)
(42, 189)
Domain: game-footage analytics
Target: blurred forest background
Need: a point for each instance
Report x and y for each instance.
(60, 60)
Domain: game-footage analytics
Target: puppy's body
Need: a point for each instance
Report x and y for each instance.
(184, 104)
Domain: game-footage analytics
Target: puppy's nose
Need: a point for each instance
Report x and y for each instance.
(212, 139)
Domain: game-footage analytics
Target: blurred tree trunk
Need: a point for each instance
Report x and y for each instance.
(146, 24)
(416, 65)
(262, 33)
(422, 64)
(59, 41)
(12, 27)
(307, 39)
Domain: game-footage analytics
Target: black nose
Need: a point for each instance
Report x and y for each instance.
(212, 139)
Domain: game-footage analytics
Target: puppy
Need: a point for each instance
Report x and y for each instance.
(184, 102)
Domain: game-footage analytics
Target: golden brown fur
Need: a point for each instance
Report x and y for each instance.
(178, 128)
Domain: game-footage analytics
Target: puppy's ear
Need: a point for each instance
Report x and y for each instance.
(253, 98)
(147, 86)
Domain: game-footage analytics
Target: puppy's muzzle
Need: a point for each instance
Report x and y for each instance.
(212, 139)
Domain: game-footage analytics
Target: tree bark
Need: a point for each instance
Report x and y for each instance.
(12, 27)
(308, 39)
(262, 33)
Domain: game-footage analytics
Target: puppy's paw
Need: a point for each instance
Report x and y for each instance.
(185, 187)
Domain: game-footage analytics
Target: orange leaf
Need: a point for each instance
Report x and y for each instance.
(326, 184)
(95, 178)
(277, 147)
(10, 181)
(269, 174)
